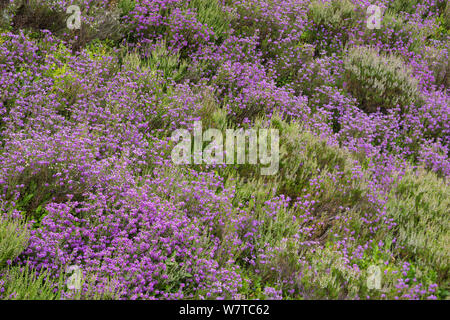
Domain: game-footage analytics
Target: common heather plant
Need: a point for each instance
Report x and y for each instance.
(395, 29)
(438, 62)
(213, 14)
(418, 205)
(335, 21)
(333, 13)
(23, 283)
(379, 81)
(14, 236)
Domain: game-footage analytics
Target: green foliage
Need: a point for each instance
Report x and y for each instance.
(336, 17)
(159, 60)
(329, 276)
(169, 63)
(20, 282)
(252, 285)
(446, 17)
(443, 30)
(126, 6)
(14, 236)
(98, 49)
(213, 14)
(88, 282)
(304, 156)
(439, 63)
(334, 14)
(413, 6)
(420, 204)
(37, 194)
(407, 6)
(67, 88)
(379, 80)
(304, 55)
(33, 201)
(395, 29)
(23, 283)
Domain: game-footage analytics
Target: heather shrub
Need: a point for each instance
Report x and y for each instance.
(424, 8)
(14, 235)
(398, 31)
(171, 21)
(378, 80)
(333, 13)
(288, 66)
(154, 64)
(164, 269)
(446, 16)
(315, 155)
(24, 283)
(269, 19)
(277, 26)
(316, 74)
(246, 92)
(46, 174)
(328, 275)
(334, 21)
(419, 204)
(442, 31)
(309, 168)
(213, 14)
(404, 6)
(433, 157)
(309, 164)
(18, 50)
(438, 62)
(92, 287)
(126, 6)
(67, 86)
(325, 271)
(19, 282)
(343, 201)
(161, 59)
(98, 21)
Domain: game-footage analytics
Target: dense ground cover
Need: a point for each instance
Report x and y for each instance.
(86, 178)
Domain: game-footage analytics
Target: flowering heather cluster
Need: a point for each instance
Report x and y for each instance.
(86, 177)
